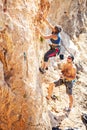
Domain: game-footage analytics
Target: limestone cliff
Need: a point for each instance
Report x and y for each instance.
(22, 105)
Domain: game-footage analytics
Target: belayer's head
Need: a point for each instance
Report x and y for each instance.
(70, 58)
(57, 29)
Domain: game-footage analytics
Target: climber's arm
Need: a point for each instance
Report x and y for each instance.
(47, 22)
(46, 36)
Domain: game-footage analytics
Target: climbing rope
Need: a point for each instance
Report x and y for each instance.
(66, 48)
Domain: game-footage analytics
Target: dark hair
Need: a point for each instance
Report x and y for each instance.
(58, 29)
(71, 56)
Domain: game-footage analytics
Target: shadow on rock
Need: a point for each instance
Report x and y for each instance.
(56, 120)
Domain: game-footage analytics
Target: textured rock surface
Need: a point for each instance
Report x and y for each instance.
(22, 102)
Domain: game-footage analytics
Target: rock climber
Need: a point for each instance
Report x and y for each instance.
(54, 47)
(67, 76)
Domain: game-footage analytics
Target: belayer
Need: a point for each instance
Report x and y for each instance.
(67, 76)
(54, 47)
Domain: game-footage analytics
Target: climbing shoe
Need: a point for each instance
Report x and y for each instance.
(46, 68)
(54, 97)
(42, 70)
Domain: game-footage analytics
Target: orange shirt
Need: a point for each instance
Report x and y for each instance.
(68, 71)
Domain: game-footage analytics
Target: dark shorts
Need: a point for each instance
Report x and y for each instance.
(68, 84)
(51, 53)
